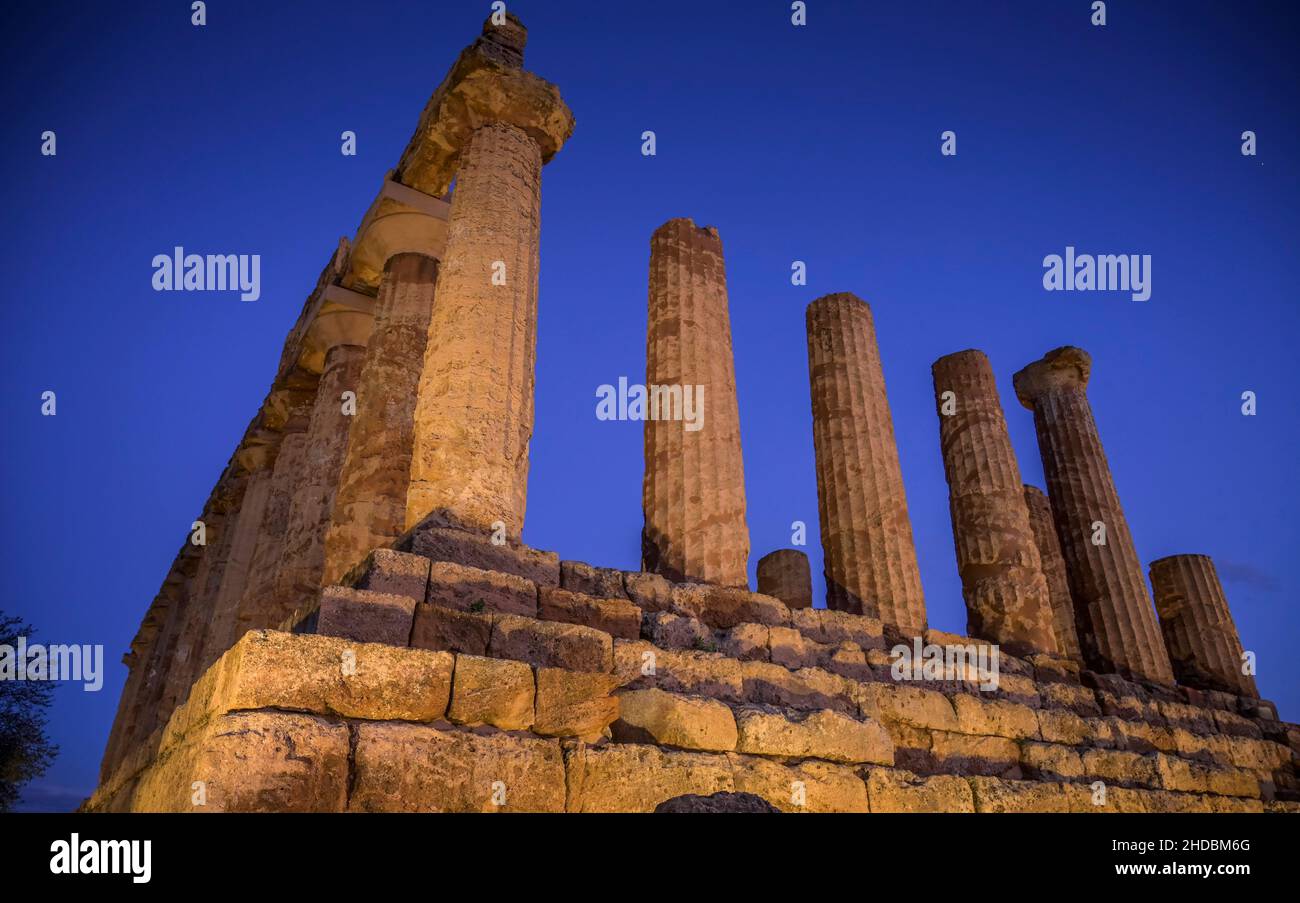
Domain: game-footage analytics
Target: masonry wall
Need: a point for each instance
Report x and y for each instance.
(530, 684)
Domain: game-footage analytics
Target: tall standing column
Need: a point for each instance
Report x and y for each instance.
(1106, 581)
(1200, 634)
(1058, 585)
(1001, 574)
(474, 410)
(302, 564)
(870, 560)
(785, 574)
(257, 607)
(234, 578)
(693, 494)
(370, 507)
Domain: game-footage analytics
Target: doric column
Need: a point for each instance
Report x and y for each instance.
(395, 253)
(1001, 576)
(1106, 581)
(785, 574)
(870, 561)
(193, 620)
(1200, 634)
(474, 411)
(370, 508)
(474, 407)
(257, 607)
(1058, 585)
(247, 526)
(302, 564)
(693, 494)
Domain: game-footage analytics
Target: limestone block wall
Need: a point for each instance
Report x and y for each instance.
(459, 676)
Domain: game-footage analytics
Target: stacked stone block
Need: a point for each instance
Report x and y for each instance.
(516, 706)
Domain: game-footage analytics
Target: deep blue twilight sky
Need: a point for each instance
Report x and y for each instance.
(818, 144)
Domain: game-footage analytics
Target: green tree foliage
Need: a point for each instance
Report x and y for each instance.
(25, 751)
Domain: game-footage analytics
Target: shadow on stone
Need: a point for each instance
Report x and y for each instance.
(718, 802)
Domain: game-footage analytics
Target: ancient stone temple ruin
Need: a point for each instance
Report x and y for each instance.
(355, 624)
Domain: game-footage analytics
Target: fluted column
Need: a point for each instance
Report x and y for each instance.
(693, 494)
(1053, 564)
(187, 650)
(257, 607)
(302, 564)
(1001, 575)
(786, 575)
(234, 579)
(1106, 581)
(1199, 632)
(870, 560)
(370, 507)
(474, 410)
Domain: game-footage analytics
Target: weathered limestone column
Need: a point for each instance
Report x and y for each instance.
(370, 508)
(474, 410)
(1058, 585)
(302, 565)
(870, 560)
(257, 607)
(1001, 576)
(234, 578)
(786, 575)
(1106, 581)
(1200, 634)
(498, 125)
(193, 620)
(693, 494)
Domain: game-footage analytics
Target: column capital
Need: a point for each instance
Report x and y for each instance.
(1060, 369)
(400, 220)
(480, 91)
(331, 328)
